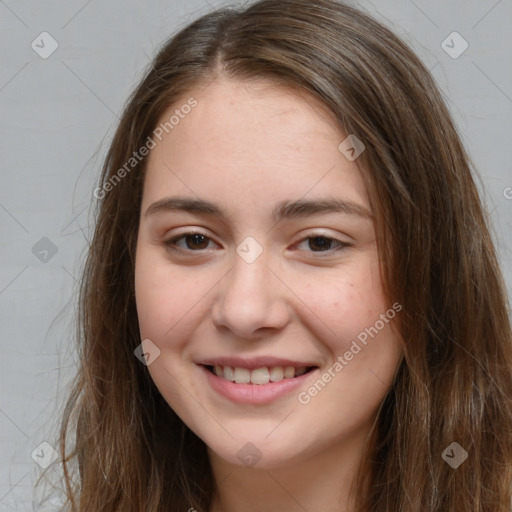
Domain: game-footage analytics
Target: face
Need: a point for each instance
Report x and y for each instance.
(257, 277)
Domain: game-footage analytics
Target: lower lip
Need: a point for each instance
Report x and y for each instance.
(254, 393)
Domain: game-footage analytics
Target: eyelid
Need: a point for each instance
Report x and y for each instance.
(319, 232)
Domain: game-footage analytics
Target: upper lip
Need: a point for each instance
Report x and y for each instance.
(254, 362)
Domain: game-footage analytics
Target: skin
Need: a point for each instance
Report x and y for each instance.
(248, 146)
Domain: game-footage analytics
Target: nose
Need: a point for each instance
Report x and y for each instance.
(251, 300)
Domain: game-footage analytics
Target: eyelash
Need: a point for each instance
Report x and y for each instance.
(171, 243)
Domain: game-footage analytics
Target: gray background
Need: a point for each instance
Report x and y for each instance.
(57, 117)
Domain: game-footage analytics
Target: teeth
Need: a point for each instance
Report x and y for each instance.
(276, 373)
(242, 375)
(228, 373)
(259, 376)
(289, 372)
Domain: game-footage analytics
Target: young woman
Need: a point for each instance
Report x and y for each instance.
(292, 300)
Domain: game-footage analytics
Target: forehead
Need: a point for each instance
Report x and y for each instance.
(253, 140)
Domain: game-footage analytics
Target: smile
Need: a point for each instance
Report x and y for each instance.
(259, 385)
(258, 376)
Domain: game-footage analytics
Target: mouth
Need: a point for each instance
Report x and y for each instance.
(258, 376)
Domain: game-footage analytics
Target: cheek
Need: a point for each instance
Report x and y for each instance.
(359, 331)
(346, 303)
(165, 295)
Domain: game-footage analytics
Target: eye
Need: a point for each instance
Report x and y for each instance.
(198, 242)
(322, 243)
(193, 241)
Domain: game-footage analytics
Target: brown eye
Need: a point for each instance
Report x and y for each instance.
(196, 241)
(323, 244)
(193, 242)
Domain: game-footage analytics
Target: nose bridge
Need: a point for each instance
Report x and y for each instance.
(249, 297)
(251, 274)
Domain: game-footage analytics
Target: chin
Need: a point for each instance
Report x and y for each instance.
(257, 453)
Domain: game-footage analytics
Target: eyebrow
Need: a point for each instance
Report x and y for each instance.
(283, 210)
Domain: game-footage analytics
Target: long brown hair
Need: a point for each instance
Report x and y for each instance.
(438, 261)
